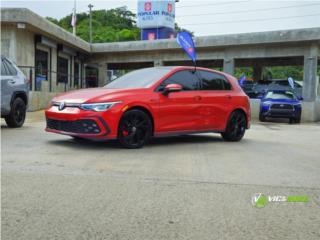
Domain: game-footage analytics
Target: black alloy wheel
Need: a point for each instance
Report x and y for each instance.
(17, 115)
(236, 127)
(135, 129)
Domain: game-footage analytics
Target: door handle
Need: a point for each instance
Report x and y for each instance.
(229, 96)
(198, 98)
(12, 81)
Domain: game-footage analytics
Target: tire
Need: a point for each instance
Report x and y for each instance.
(17, 114)
(262, 118)
(135, 129)
(236, 127)
(297, 119)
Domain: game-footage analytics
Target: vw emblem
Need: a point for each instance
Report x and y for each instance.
(281, 105)
(61, 106)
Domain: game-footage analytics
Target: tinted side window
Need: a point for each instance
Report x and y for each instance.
(186, 78)
(12, 71)
(214, 81)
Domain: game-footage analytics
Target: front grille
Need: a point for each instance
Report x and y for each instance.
(281, 106)
(86, 126)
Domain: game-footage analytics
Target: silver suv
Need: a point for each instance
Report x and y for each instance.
(14, 93)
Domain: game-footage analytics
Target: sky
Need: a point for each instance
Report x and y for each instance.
(204, 17)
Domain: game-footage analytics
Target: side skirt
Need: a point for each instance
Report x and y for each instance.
(169, 134)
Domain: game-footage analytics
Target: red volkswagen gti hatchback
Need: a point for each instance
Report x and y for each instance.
(153, 102)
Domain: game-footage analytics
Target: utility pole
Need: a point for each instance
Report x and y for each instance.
(90, 6)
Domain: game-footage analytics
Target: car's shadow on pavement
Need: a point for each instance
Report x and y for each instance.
(154, 142)
(185, 139)
(4, 127)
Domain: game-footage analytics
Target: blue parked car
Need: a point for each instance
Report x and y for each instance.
(280, 104)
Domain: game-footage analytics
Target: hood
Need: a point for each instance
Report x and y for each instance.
(92, 95)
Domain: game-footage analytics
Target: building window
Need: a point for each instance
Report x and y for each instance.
(63, 66)
(41, 68)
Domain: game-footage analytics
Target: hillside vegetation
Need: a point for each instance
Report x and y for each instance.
(112, 25)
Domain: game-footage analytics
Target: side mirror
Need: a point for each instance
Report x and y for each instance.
(172, 88)
(300, 98)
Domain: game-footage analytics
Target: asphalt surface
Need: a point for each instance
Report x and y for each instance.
(189, 187)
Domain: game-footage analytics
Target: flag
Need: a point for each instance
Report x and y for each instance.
(291, 82)
(184, 39)
(74, 18)
(242, 79)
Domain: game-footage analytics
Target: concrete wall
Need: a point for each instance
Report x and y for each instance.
(8, 43)
(25, 48)
(317, 110)
(255, 108)
(39, 100)
(19, 46)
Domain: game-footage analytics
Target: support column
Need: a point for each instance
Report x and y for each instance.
(310, 73)
(228, 65)
(84, 85)
(257, 72)
(102, 75)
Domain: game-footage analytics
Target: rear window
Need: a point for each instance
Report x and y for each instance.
(214, 81)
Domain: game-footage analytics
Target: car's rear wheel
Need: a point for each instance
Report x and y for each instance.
(17, 115)
(135, 129)
(236, 127)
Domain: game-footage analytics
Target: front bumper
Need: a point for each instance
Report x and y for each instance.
(282, 113)
(77, 122)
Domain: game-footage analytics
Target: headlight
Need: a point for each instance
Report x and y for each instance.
(266, 103)
(98, 107)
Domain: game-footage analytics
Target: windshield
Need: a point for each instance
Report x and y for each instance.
(142, 78)
(280, 95)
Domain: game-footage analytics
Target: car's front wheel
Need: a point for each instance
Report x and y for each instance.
(135, 129)
(262, 118)
(17, 115)
(236, 127)
(295, 120)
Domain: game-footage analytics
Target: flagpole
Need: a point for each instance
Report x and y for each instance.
(74, 18)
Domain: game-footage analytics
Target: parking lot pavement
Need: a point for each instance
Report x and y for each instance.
(189, 187)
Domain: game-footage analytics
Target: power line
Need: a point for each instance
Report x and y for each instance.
(214, 4)
(251, 10)
(251, 20)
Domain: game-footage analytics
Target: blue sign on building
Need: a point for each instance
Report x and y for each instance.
(156, 18)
